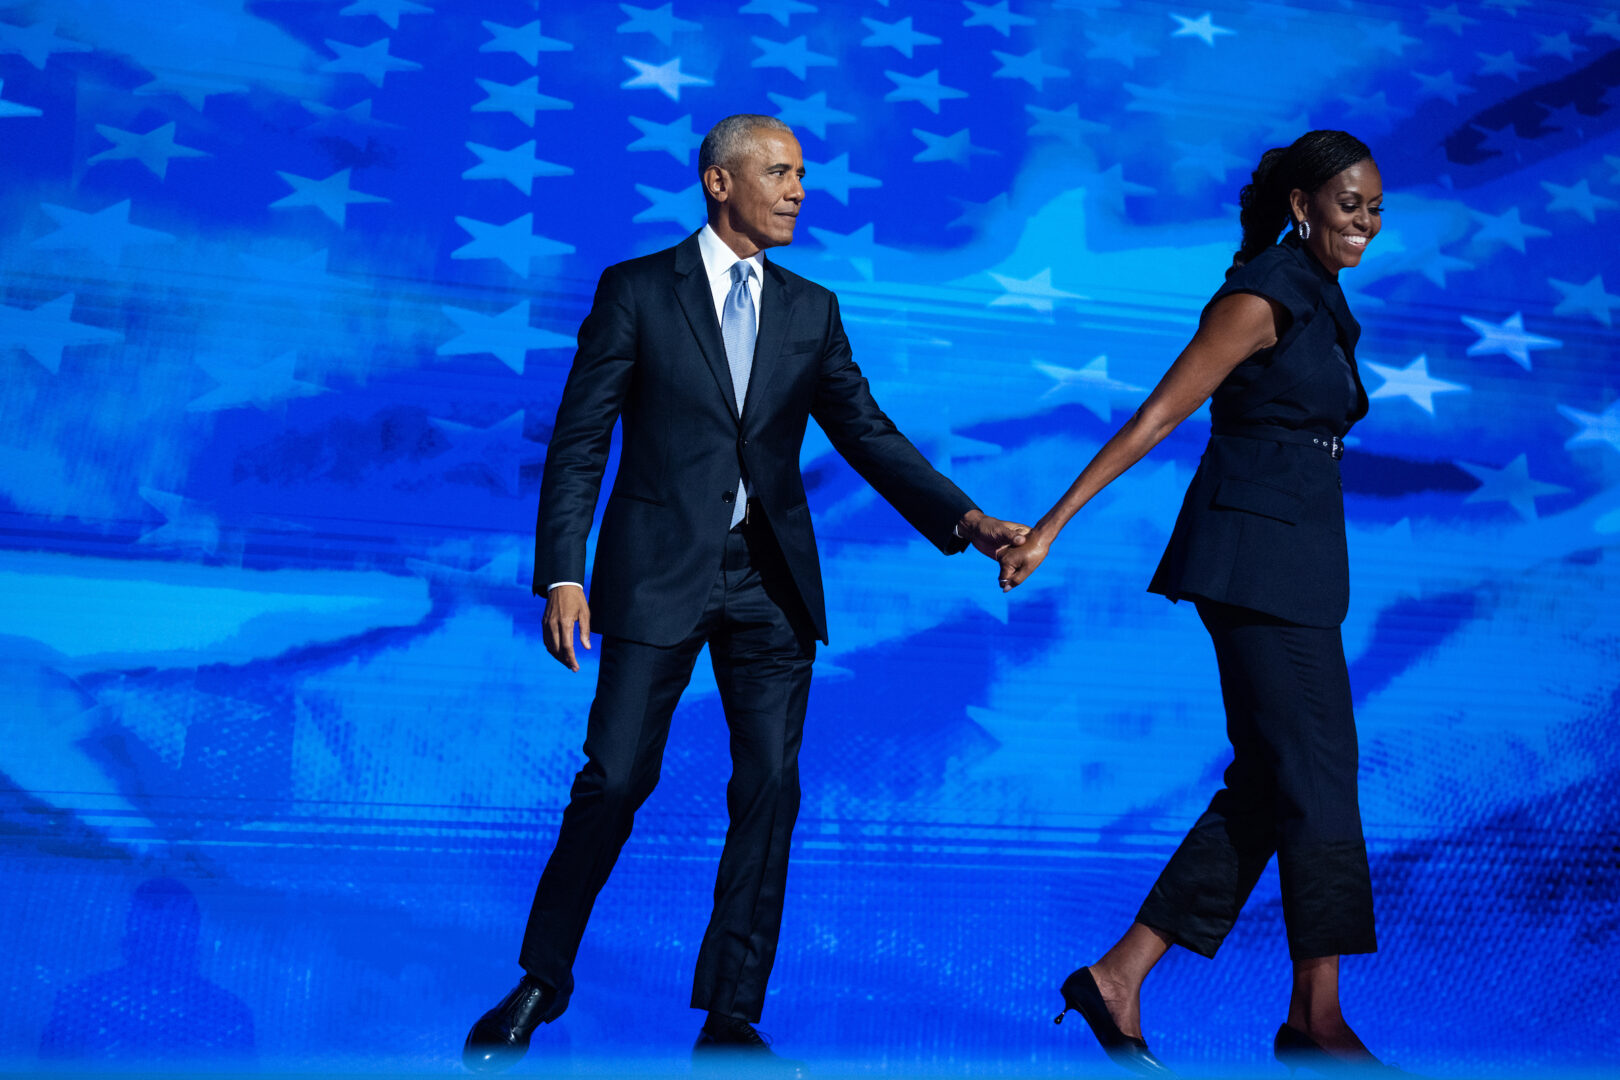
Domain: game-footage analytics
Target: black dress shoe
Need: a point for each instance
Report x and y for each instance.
(1080, 993)
(735, 1042)
(1297, 1050)
(500, 1038)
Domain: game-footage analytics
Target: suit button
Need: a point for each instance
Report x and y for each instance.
(728, 496)
(742, 443)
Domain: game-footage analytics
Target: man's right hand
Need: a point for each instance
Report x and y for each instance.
(566, 606)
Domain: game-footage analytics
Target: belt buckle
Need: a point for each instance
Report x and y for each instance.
(1335, 447)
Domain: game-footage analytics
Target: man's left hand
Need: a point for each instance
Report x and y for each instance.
(989, 535)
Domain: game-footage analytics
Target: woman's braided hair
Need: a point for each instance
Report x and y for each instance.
(1307, 163)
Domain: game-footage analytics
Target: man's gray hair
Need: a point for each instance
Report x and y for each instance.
(728, 140)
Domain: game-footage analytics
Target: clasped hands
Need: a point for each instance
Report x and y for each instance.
(1016, 547)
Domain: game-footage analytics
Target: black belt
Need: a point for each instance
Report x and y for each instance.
(1271, 433)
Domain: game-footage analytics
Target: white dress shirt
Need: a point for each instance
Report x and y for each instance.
(718, 259)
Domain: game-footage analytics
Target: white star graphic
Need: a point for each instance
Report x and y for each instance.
(1035, 293)
(507, 336)
(242, 383)
(684, 208)
(1505, 228)
(154, 149)
(835, 178)
(1511, 485)
(35, 43)
(388, 11)
(811, 112)
(1509, 338)
(1505, 64)
(518, 166)
(1602, 428)
(660, 22)
(667, 77)
(1029, 67)
(514, 243)
(926, 90)
(794, 56)
(957, 147)
(1089, 385)
(675, 137)
(897, 35)
(1203, 28)
(1413, 381)
(999, 17)
(1577, 198)
(859, 248)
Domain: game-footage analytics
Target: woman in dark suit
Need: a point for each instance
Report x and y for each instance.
(1259, 547)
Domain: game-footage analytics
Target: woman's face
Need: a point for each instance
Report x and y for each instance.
(1344, 215)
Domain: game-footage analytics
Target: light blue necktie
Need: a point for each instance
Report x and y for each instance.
(738, 328)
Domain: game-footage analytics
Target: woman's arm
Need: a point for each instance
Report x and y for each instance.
(1235, 328)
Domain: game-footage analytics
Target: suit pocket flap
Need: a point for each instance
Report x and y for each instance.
(1258, 497)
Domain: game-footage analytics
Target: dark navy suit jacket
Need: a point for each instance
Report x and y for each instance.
(1262, 525)
(651, 355)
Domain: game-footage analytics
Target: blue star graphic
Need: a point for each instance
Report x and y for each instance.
(780, 10)
(1203, 28)
(1449, 17)
(13, 108)
(1557, 45)
(1388, 37)
(1505, 228)
(514, 243)
(1209, 157)
(1601, 429)
(1589, 299)
(1373, 107)
(373, 60)
(351, 119)
(1108, 189)
(526, 41)
(794, 56)
(676, 137)
(190, 87)
(519, 166)
(1029, 67)
(956, 147)
(1434, 264)
(154, 149)
(330, 196)
(301, 277)
(1511, 485)
(1122, 47)
(811, 112)
(1443, 85)
(36, 42)
(508, 336)
(660, 22)
(1064, 123)
(1577, 198)
(243, 383)
(898, 35)
(1036, 293)
(1412, 381)
(1563, 118)
(185, 524)
(858, 248)
(495, 452)
(388, 11)
(1509, 338)
(999, 17)
(923, 89)
(1605, 25)
(522, 99)
(836, 179)
(106, 233)
(667, 77)
(45, 331)
(684, 208)
(981, 217)
(1501, 64)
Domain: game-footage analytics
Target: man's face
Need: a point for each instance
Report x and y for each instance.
(760, 192)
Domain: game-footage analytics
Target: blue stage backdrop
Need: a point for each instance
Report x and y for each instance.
(289, 294)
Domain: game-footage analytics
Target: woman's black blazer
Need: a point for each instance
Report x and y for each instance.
(1262, 524)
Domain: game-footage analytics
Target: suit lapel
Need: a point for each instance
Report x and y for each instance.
(777, 296)
(697, 302)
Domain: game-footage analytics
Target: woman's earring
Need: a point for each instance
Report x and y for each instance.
(1304, 229)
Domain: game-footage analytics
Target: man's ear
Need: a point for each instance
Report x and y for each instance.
(716, 183)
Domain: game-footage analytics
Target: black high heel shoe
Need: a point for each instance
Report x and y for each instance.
(1080, 993)
(1297, 1050)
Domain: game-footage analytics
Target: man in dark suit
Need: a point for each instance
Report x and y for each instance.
(714, 360)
